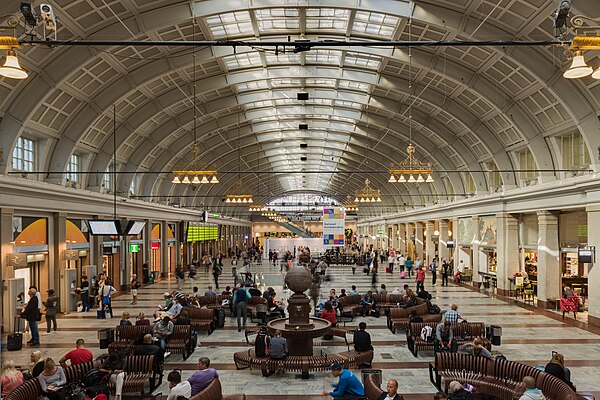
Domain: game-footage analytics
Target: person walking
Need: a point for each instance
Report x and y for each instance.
(409, 266)
(135, 285)
(445, 272)
(51, 309)
(33, 315)
(107, 290)
(217, 270)
(433, 268)
(192, 273)
(240, 304)
(85, 293)
(146, 272)
(401, 262)
(420, 278)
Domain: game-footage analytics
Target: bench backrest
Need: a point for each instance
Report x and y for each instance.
(213, 391)
(349, 300)
(511, 371)
(181, 332)
(28, 390)
(253, 300)
(472, 329)
(132, 332)
(74, 373)
(421, 309)
(416, 327)
(143, 364)
(459, 362)
(372, 389)
(552, 387)
(200, 313)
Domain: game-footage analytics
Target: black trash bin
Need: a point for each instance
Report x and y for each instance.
(106, 336)
(377, 372)
(496, 334)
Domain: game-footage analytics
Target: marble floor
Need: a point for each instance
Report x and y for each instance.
(529, 336)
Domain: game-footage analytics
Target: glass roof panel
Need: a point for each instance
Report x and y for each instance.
(252, 85)
(362, 60)
(324, 56)
(277, 19)
(327, 19)
(230, 24)
(376, 24)
(242, 60)
(283, 59)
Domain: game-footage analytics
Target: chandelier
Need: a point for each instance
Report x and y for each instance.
(350, 206)
(368, 194)
(238, 196)
(582, 41)
(193, 173)
(411, 167)
(256, 209)
(11, 67)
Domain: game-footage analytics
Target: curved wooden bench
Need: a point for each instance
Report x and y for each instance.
(398, 317)
(303, 364)
(127, 336)
(471, 329)
(28, 390)
(214, 391)
(372, 388)
(180, 342)
(201, 319)
(498, 378)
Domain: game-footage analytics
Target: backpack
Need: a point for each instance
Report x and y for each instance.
(432, 308)
(427, 333)
(277, 347)
(92, 377)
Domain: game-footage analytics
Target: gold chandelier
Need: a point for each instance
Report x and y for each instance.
(579, 68)
(350, 206)
(11, 67)
(368, 194)
(198, 174)
(411, 167)
(238, 196)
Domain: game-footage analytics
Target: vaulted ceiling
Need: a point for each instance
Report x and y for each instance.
(472, 107)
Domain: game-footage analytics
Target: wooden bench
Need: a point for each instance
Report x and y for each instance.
(303, 364)
(470, 330)
(201, 319)
(127, 336)
(28, 390)
(214, 391)
(342, 331)
(180, 342)
(497, 378)
(398, 317)
(372, 388)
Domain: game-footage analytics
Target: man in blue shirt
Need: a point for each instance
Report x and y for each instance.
(348, 387)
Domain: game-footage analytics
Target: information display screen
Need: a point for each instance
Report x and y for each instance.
(135, 228)
(585, 256)
(201, 233)
(103, 227)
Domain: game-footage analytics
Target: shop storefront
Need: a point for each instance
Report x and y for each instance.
(465, 235)
(573, 234)
(487, 245)
(30, 238)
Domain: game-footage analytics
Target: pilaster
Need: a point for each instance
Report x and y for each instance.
(443, 249)
(429, 245)
(164, 249)
(419, 239)
(593, 214)
(475, 248)
(549, 272)
(507, 250)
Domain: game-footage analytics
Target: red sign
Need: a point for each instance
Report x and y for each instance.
(155, 245)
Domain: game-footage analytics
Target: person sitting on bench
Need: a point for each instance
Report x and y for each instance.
(368, 303)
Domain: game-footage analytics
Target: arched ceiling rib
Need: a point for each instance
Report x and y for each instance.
(479, 103)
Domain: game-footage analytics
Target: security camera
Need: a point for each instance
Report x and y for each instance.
(27, 11)
(562, 14)
(47, 15)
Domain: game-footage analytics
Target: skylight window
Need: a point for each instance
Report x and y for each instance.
(242, 60)
(236, 23)
(322, 56)
(327, 19)
(354, 85)
(362, 60)
(375, 24)
(254, 85)
(273, 19)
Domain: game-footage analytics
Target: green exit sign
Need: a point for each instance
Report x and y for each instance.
(216, 215)
(380, 232)
(134, 248)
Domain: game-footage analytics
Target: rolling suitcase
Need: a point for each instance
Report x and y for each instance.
(14, 341)
(219, 316)
(403, 275)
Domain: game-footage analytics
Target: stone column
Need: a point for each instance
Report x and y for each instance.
(419, 240)
(455, 250)
(475, 248)
(404, 237)
(57, 263)
(125, 262)
(507, 250)
(549, 271)
(443, 249)
(395, 237)
(429, 244)
(164, 249)
(6, 237)
(147, 244)
(593, 214)
(179, 241)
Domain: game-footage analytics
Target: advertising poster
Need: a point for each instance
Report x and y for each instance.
(334, 224)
